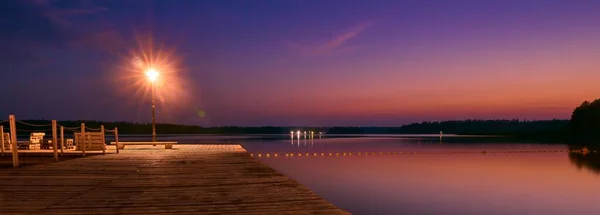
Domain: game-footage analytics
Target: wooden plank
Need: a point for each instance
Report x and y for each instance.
(62, 140)
(103, 140)
(117, 139)
(144, 143)
(194, 179)
(168, 145)
(54, 140)
(13, 140)
(2, 139)
(82, 139)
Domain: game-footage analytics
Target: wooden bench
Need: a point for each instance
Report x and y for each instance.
(168, 145)
(27, 145)
(46, 144)
(5, 141)
(93, 141)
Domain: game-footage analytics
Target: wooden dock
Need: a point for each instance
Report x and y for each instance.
(189, 179)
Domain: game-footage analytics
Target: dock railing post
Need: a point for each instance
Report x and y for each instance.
(54, 139)
(117, 139)
(103, 140)
(83, 139)
(62, 140)
(13, 140)
(2, 138)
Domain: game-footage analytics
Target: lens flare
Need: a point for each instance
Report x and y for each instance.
(152, 74)
(147, 65)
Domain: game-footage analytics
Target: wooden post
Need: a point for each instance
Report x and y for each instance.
(62, 140)
(54, 139)
(83, 139)
(13, 140)
(2, 138)
(117, 138)
(103, 140)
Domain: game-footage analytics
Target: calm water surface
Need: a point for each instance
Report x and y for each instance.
(435, 180)
(454, 176)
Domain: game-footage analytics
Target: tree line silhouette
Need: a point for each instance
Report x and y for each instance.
(583, 127)
(449, 127)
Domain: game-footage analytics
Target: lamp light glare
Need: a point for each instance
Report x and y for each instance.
(152, 74)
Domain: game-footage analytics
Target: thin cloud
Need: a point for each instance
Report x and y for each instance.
(61, 27)
(108, 40)
(341, 39)
(33, 30)
(335, 45)
(63, 15)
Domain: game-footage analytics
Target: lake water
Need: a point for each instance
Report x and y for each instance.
(451, 176)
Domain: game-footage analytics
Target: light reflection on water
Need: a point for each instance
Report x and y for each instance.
(435, 182)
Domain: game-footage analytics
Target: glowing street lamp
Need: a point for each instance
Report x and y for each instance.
(152, 75)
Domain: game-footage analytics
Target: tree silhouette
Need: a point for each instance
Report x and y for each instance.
(585, 121)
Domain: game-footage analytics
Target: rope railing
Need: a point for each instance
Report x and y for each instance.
(64, 127)
(92, 129)
(67, 126)
(78, 129)
(3, 121)
(70, 128)
(33, 125)
(73, 130)
(27, 130)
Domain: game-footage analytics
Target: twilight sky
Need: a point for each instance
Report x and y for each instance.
(299, 62)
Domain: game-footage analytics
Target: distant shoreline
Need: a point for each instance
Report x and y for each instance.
(556, 130)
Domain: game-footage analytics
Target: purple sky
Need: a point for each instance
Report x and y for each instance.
(301, 62)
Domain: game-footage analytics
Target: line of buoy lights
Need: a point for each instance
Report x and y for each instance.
(298, 132)
(330, 154)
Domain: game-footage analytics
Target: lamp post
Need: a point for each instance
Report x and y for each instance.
(152, 75)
